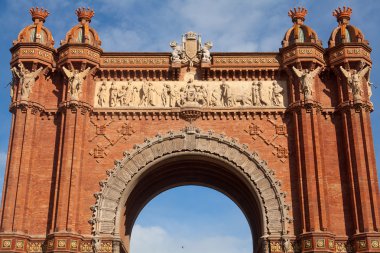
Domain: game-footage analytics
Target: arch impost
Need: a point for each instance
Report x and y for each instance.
(191, 141)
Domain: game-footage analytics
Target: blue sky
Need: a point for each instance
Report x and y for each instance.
(232, 25)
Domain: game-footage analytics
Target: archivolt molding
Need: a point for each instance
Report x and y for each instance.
(106, 211)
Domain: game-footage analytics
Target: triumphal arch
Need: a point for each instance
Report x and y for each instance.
(96, 135)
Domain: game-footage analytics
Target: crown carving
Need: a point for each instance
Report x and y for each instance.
(297, 14)
(191, 36)
(39, 13)
(85, 13)
(342, 13)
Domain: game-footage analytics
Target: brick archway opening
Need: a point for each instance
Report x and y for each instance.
(192, 169)
(190, 157)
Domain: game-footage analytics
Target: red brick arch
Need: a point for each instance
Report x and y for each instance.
(190, 157)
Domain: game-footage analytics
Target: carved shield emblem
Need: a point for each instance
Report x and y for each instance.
(191, 48)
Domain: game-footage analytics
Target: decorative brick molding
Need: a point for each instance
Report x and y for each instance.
(106, 211)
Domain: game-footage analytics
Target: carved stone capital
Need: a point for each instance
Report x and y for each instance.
(74, 106)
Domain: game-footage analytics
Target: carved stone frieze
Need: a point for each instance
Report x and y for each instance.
(219, 60)
(136, 61)
(205, 94)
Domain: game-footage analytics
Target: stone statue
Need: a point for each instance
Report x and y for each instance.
(12, 84)
(177, 52)
(152, 95)
(122, 96)
(369, 85)
(27, 80)
(276, 94)
(174, 96)
(135, 95)
(129, 93)
(215, 98)
(306, 80)
(75, 81)
(148, 95)
(102, 94)
(165, 99)
(190, 94)
(226, 96)
(354, 80)
(256, 98)
(202, 95)
(206, 56)
(113, 95)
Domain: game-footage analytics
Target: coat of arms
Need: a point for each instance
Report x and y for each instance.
(191, 50)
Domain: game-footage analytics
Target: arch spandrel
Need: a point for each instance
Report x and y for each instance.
(110, 201)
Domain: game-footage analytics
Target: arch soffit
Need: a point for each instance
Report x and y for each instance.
(106, 211)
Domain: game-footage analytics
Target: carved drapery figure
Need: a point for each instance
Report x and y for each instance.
(169, 95)
(306, 78)
(202, 94)
(256, 91)
(226, 96)
(276, 94)
(190, 94)
(173, 95)
(215, 98)
(165, 99)
(135, 96)
(369, 84)
(148, 95)
(75, 81)
(113, 95)
(102, 94)
(27, 80)
(206, 56)
(122, 96)
(354, 80)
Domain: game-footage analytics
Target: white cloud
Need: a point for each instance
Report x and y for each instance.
(157, 240)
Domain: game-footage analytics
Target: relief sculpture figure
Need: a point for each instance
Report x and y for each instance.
(148, 95)
(122, 96)
(113, 95)
(75, 81)
(202, 95)
(354, 80)
(306, 78)
(226, 96)
(256, 94)
(27, 79)
(102, 94)
(135, 97)
(276, 94)
(165, 99)
(215, 98)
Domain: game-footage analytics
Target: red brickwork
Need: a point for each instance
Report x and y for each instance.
(321, 149)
